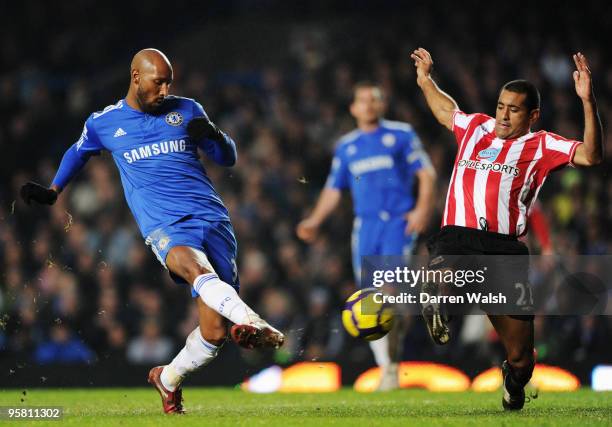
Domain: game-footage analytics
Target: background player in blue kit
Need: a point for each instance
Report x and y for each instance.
(154, 139)
(378, 162)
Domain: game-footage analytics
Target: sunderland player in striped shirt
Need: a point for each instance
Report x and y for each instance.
(154, 139)
(499, 168)
(379, 162)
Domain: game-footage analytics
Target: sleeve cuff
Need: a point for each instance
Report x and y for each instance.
(453, 119)
(572, 153)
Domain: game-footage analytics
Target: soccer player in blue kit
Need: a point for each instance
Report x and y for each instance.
(378, 162)
(154, 139)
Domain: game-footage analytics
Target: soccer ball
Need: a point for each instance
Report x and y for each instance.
(365, 318)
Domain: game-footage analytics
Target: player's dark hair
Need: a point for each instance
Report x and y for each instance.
(532, 100)
(366, 84)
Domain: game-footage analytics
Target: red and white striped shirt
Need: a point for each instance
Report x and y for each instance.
(495, 182)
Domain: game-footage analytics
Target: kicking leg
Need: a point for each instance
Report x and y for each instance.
(517, 337)
(249, 330)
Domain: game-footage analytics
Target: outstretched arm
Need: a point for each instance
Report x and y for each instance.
(72, 162)
(441, 104)
(328, 200)
(592, 151)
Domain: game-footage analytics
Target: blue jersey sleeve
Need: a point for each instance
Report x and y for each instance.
(339, 174)
(77, 155)
(223, 152)
(416, 157)
(89, 143)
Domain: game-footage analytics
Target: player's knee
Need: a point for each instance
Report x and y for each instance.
(182, 262)
(194, 270)
(190, 270)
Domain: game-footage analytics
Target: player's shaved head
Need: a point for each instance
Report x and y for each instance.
(151, 76)
(147, 59)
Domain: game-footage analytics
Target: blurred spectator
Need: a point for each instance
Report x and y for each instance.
(323, 336)
(115, 348)
(63, 347)
(150, 347)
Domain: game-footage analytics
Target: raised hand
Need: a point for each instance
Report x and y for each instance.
(422, 62)
(582, 77)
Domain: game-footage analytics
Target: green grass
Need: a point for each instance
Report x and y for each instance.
(230, 407)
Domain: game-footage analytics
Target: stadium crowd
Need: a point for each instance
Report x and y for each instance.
(77, 283)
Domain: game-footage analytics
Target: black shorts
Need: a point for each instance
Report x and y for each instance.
(502, 260)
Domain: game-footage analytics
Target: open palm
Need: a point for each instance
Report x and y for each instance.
(422, 61)
(582, 77)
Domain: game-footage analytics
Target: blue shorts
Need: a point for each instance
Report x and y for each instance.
(215, 239)
(375, 236)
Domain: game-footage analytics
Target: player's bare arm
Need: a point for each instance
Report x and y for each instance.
(329, 199)
(418, 218)
(591, 152)
(440, 103)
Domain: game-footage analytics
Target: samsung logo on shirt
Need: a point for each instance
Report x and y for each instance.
(156, 149)
(371, 164)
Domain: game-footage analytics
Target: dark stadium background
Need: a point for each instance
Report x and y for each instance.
(277, 76)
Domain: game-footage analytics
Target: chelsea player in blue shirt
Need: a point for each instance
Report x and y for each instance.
(154, 139)
(378, 162)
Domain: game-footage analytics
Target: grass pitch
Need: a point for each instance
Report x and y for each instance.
(232, 407)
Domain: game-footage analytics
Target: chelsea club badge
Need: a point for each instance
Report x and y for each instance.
(174, 119)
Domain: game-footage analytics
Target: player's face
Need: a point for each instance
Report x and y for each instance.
(512, 119)
(368, 105)
(153, 85)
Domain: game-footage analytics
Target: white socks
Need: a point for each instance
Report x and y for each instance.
(197, 353)
(222, 298)
(380, 348)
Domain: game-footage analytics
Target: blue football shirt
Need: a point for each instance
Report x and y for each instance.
(162, 178)
(379, 168)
